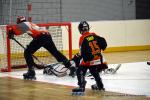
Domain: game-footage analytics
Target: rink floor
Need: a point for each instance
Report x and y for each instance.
(131, 78)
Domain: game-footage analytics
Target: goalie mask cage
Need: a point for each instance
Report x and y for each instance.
(12, 54)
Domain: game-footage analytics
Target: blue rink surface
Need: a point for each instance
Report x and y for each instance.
(131, 78)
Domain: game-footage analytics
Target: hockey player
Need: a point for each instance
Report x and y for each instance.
(90, 57)
(41, 38)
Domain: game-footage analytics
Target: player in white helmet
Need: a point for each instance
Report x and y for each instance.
(41, 38)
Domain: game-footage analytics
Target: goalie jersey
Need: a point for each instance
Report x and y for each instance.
(90, 47)
(29, 28)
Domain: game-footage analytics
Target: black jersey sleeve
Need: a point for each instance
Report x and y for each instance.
(102, 42)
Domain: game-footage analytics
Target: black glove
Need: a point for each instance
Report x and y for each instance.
(72, 71)
(10, 33)
(77, 59)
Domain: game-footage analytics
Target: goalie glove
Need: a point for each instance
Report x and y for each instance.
(10, 33)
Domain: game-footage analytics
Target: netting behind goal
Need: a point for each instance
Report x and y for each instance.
(12, 54)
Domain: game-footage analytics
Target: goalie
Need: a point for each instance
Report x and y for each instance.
(41, 38)
(90, 57)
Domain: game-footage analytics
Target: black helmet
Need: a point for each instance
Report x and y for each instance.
(83, 27)
(21, 19)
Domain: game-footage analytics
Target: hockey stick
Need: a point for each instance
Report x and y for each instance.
(110, 71)
(116, 69)
(37, 66)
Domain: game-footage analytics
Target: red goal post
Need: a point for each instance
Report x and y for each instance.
(12, 55)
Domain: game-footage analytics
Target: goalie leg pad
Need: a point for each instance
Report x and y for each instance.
(57, 69)
(47, 71)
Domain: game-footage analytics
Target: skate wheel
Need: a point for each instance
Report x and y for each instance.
(78, 94)
(29, 78)
(94, 89)
(32, 78)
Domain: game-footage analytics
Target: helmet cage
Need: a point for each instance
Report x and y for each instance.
(83, 27)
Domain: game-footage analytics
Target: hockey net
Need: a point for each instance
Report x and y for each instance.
(12, 54)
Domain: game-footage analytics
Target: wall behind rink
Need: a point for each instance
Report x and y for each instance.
(121, 35)
(43, 11)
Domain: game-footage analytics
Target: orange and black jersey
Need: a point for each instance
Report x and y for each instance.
(91, 46)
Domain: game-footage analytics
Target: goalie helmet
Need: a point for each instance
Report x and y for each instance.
(83, 27)
(21, 19)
